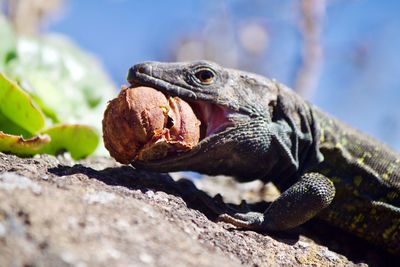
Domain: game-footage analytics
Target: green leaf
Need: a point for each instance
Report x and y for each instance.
(47, 111)
(10, 127)
(68, 81)
(17, 145)
(79, 140)
(18, 107)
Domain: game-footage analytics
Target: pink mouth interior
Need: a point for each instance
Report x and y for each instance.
(213, 117)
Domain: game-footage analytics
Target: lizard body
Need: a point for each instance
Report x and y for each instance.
(256, 128)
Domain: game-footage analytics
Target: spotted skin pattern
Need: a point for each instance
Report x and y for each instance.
(366, 176)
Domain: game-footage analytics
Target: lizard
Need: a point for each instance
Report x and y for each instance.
(253, 127)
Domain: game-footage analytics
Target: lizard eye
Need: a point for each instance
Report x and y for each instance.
(205, 76)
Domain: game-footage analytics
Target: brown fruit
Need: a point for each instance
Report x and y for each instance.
(144, 124)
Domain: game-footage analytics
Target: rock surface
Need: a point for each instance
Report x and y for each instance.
(54, 212)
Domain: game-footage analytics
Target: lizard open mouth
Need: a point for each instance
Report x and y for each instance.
(158, 122)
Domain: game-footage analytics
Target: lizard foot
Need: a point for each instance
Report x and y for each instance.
(249, 220)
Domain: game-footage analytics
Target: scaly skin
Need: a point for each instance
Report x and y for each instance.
(323, 167)
(366, 175)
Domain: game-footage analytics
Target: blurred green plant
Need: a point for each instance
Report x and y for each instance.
(47, 80)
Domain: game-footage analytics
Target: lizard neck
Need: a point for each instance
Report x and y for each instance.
(298, 137)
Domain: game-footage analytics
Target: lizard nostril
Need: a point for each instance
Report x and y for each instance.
(136, 72)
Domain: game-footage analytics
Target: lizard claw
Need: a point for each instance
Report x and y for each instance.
(249, 220)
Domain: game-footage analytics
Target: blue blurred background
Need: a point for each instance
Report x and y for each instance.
(340, 55)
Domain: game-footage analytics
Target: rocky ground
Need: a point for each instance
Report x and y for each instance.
(54, 212)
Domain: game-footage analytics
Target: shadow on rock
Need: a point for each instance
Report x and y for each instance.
(194, 198)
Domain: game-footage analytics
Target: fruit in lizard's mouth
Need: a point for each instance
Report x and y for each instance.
(144, 124)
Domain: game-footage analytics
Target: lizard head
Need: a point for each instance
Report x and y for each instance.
(244, 131)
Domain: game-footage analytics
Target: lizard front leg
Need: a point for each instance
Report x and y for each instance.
(299, 203)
